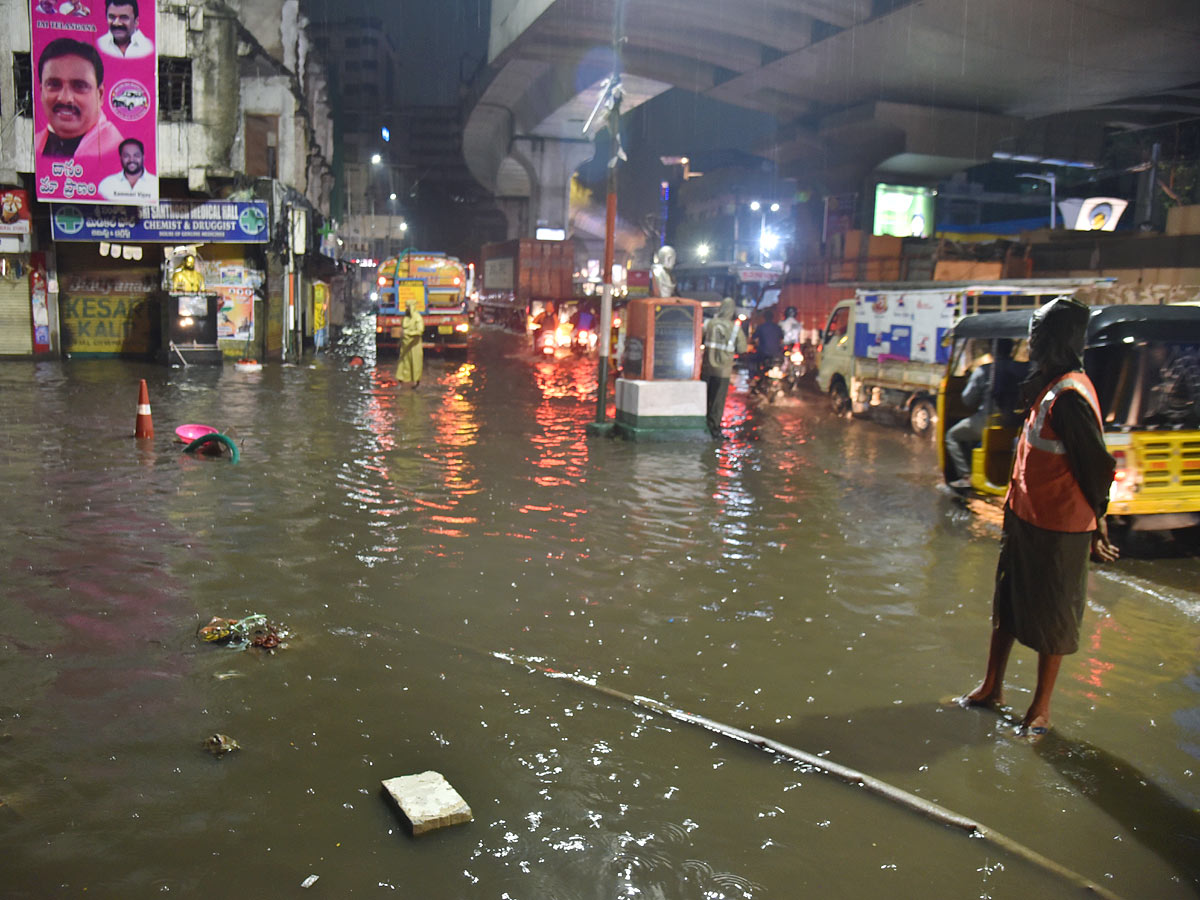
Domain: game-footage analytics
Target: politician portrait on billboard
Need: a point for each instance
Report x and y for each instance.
(95, 101)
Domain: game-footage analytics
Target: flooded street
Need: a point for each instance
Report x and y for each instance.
(438, 555)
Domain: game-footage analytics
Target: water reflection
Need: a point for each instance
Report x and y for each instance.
(1156, 818)
(802, 578)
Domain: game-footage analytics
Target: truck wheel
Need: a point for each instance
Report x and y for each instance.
(839, 398)
(922, 417)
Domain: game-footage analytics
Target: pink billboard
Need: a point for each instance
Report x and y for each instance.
(95, 101)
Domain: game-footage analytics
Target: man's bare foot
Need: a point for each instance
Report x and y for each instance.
(980, 697)
(1034, 727)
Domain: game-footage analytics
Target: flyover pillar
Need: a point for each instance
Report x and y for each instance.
(552, 162)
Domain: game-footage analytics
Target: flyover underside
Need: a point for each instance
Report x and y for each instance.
(892, 86)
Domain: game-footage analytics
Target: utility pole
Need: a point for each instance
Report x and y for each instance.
(611, 98)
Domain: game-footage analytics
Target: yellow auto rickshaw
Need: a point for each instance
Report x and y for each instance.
(1145, 364)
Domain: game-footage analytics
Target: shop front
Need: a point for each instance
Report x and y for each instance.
(119, 273)
(25, 326)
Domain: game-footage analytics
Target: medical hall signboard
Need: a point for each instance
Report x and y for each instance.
(170, 222)
(95, 101)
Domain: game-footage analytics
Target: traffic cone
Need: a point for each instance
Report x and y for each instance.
(145, 425)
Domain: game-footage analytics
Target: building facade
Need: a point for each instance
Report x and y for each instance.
(243, 124)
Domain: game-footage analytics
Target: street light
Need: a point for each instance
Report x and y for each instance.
(1050, 178)
(767, 240)
(702, 251)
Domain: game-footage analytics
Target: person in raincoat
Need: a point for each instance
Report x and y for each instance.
(1053, 513)
(723, 341)
(412, 355)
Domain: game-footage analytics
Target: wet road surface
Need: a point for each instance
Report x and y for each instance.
(805, 580)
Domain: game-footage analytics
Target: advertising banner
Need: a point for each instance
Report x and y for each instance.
(904, 326)
(14, 212)
(108, 313)
(173, 222)
(39, 298)
(95, 100)
(320, 317)
(237, 285)
(903, 210)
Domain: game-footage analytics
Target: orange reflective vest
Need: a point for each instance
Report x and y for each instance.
(1042, 490)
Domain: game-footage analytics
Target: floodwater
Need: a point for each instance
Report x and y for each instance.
(443, 557)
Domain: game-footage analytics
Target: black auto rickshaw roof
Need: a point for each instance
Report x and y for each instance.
(1127, 324)
(1108, 324)
(1011, 324)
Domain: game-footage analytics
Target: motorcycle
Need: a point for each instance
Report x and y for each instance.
(583, 342)
(543, 342)
(793, 367)
(768, 379)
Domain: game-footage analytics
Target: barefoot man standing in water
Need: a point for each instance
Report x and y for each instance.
(1053, 513)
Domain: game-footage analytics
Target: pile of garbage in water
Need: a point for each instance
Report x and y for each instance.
(254, 630)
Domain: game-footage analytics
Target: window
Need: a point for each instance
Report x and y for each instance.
(23, 83)
(262, 146)
(174, 89)
(839, 324)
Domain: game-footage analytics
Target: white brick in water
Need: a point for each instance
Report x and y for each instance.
(428, 801)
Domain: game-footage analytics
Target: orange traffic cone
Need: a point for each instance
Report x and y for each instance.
(145, 425)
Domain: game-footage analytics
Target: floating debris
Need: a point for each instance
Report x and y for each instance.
(220, 744)
(254, 630)
(428, 801)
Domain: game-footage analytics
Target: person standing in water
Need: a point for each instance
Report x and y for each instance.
(412, 354)
(1053, 514)
(723, 341)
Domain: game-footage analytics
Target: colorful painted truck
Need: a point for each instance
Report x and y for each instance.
(438, 283)
(884, 350)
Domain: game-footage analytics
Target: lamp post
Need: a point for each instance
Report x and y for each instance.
(763, 234)
(1050, 178)
(376, 159)
(391, 215)
(611, 98)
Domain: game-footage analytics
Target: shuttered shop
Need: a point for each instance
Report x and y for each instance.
(16, 323)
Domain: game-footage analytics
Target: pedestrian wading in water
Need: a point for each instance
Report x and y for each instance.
(723, 341)
(412, 354)
(1053, 513)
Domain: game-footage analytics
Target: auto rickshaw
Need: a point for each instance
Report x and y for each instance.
(1145, 364)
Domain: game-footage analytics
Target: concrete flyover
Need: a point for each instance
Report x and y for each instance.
(904, 88)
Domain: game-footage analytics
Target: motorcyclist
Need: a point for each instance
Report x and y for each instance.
(791, 327)
(545, 324)
(584, 319)
(768, 348)
(584, 323)
(768, 340)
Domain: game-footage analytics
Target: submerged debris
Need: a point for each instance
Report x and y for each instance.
(255, 630)
(220, 744)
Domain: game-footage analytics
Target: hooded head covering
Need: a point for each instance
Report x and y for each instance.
(726, 309)
(1057, 333)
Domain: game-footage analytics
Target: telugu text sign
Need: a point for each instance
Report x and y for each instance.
(174, 222)
(95, 100)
